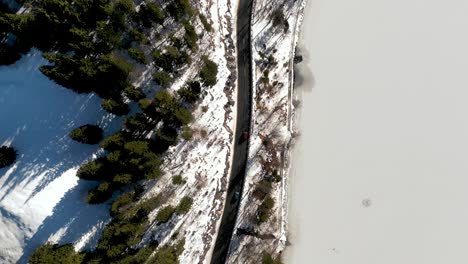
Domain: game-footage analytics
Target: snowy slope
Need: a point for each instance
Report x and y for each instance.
(205, 160)
(40, 196)
(41, 199)
(272, 112)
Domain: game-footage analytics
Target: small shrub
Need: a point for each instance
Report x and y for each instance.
(100, 194)
(49, 253)
(87, 134)
(165, 214)
(92, 171)
(184, 205)
(279, 19)
(135, 94)
(153, 174)
(190, 92)
(116, 107)
(205, 23)
(114, 142)
(162, 78)
(123, 201)
(264, 209)
(138, 36)
(178, 180)
(203, 133)
(209, 72)
(123, 179)
(268, 259)
(138, 55)
(7, 156)
(187, 133)
(190, 36)
(204, 108)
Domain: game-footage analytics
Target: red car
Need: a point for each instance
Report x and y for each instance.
(245, 135)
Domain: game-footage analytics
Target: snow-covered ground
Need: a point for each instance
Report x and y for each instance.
(40, 196)
(271, 128)
(380, 171)
(41, 199)
(203, 161)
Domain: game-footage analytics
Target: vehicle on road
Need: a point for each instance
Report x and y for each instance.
(245, 135)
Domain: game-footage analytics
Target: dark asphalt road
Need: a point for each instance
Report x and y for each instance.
(236, 181)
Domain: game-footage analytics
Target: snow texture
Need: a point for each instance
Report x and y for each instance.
(273, 51)
(41, 199)
(203, 161)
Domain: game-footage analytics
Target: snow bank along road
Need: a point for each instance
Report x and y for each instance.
(242, 124)
(381, 167)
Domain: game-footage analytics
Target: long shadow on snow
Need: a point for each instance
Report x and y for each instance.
(74, 216)
(36, 116)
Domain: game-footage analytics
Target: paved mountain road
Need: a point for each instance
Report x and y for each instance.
(244, 95)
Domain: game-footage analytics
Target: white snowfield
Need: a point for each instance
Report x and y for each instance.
(40, 198)
(380, 174)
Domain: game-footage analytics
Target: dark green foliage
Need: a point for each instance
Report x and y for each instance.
(150, 13)
(106, 75)
(122, 202)
(115, 106)
(206, 24)
(165, 214)
(163, 61)
(168, 254)
(268, 259)
(136, 124)
(138, 55)
(177, 180)
(141, 256)
(166, 136)
(49, 253)
(163, 78)
(190, 36)
(138, 36)
(7, 156)
(153, 174)
(190, 92)
(184, 205)
(121, 11)
(187, 133)
(179, 8)
(134, 93)
(117, 237)
(264, 209)
(87, 134)
(115, 141)
(171, 59)
(171, 110)
(123, 179)
(100, 194)
(145, 104)
(148, 205)
(209, 72)
(94, 170)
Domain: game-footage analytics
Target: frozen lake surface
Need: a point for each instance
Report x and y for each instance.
(380, 173)
(40, 197)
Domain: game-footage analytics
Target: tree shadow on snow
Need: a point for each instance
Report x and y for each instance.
(36, 116)
(71, 219)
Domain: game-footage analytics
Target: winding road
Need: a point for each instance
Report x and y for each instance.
(236, 181)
